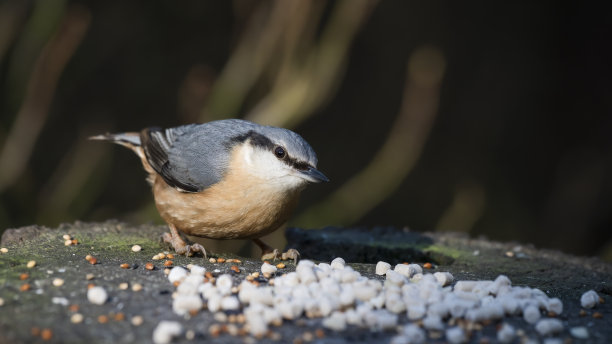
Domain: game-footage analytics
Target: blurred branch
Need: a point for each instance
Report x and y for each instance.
(311, 81)
(467, 207)
(12, 14)
(41, 88)
(398, 154)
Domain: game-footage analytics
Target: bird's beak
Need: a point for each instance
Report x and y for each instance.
(313, 175)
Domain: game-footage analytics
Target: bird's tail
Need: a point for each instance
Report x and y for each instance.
(129, 140)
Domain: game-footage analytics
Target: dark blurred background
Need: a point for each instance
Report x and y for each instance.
(490, 118)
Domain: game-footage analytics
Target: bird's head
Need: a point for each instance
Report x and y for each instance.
(280, 157)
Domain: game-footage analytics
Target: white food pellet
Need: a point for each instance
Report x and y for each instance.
(137, 320)
(224, 284)
(268, 268)
(197, 270)
(166, 330)
(549, 326)
(336, 322)
(76, 318)
(4, 250)
(455, 335)
(123, 286)
(414, 334)
(136, 248)
(338, 263)
(97, 295)
(395, 278)
(230, 303)
(444, 278)
(177, 274)
(554, 305)
(531, 314)
(579, 332)
(506, 333)
(382, 267)
(184, 304)
(589, 299)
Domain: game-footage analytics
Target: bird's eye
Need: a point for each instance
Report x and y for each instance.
(280, 152)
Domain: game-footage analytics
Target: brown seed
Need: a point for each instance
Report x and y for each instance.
(193, 312)
(170, 256)
(208, 274)
(119, 316)
(236, 269)
(25, 287)
(601, 300)
(220, 260)
(46, 334)
(35, 331)
(582, 313)
(319, 333)
(125, 266)
(552, 314)
(73, 308)
(176, 284)
(24, 276)
(427, 266)
(597, 315)
(162, 256)
(280, 265)
(168, 263)
(102, 319)
(93, 261)
(75, 242)
(88, 257)
(214, 330)
(149, 266)
(90, 285)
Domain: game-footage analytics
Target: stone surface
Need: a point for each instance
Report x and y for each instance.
(559, 275)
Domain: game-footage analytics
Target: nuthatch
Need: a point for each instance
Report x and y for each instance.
(227, 179)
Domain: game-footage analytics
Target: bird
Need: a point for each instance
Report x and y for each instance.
(225, 179)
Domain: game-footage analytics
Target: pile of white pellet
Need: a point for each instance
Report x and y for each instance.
(341, 296)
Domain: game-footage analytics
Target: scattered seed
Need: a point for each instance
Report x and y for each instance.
(235, 268)
(136, 248)
(597, 315)
(93, 261)
(35, 331)
(102, 319)
(90, 285)
(89, 277)
(509, 254)
(68, 242)
(136, 287)
(166, 271)
(170, 256)
(156, 257)
(427, 265)
(75, 242)
(162, 255)
(31, 264)
(125, 266)
(255, 274)
(25, 287)
(123, 286)
(208, 274)
(58, 282)
(76, 318)
(307, 336)
(280, 265)
(46, 334)
(582, 313)
(319, 333)
(190, 335)
(137, 320)
(88, 257)
(4, 250)
(119, 316)
(1, 302)
(73, 308)
(67, 237)
(212, 260)
(214, 330)
(220, 260)
(168, 263)
(24, 276)
(149, 266)
(601, 300)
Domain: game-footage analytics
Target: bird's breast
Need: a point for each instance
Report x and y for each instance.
(239, 206)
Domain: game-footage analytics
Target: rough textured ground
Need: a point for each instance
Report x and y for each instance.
(559, 275)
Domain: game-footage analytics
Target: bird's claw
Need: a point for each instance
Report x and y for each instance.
(180, 247)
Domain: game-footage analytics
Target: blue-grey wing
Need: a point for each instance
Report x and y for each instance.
(193, 157)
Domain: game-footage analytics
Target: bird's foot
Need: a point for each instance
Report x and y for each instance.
(181, 247)
(275, 254)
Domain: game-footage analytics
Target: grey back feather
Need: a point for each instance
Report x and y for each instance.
(196, 156)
